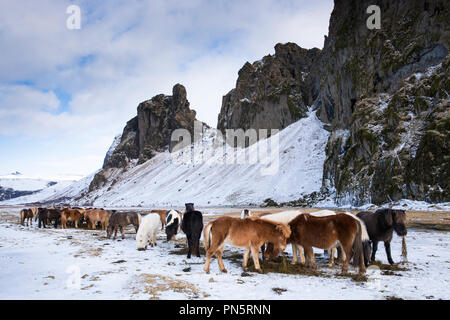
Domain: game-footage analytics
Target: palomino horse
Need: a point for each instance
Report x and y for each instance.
(26, 214)
(73, 215)
(325, 232)
(250, 233)
(92, 216)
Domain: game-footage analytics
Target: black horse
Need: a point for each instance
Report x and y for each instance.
(192, 226)
(380, 226)
(45, 214)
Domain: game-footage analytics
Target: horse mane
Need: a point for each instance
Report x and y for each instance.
(364, 233)
(279, 226)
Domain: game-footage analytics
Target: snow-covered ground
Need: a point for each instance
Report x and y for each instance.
(83, 264)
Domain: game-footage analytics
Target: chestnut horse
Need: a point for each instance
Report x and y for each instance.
(286, 217)
(26, 214)
(92, 216)
(68, 214)
(326, 232)
(250, 233)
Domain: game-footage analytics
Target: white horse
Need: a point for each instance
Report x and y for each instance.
(148, 228)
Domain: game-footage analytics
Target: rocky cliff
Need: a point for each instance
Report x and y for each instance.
(271, 93)
(383, 94)
(385, 121)
(148, 133)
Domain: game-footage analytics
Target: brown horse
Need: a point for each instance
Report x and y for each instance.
(249, 233)
(325, 232)
(73, 215)
(93, 216)
(380, 226)
(26, 214)
(119, 220)
(162, 217)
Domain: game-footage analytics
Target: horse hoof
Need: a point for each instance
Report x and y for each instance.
(224, 270)
(259, 270)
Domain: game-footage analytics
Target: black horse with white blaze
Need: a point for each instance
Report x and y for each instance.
(192, 226)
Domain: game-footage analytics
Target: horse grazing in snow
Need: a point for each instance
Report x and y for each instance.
(73, 215)
(26, 214)
(148, 228)
(47, 215)
(192, 226)
(119, 220)
(248, 233)
(286, 217)
(380, 226)
(92, 216)
(173, 224)
(325, 232)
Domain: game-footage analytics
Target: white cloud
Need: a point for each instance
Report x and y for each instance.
(129, 51)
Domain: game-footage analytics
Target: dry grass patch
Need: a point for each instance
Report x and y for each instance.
(154, 285)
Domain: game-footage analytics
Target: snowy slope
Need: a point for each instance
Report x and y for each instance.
(63, 190)
(163, 180)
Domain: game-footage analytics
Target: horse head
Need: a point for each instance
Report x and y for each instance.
(399, 222)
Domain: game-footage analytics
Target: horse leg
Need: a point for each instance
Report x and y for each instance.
(348, 253)
(255, 256)
(189, 241)
(219, 253)
(302, 254)
(246, 255)
(209, 254)
(197, 245)
(115, 233)
(331, 262)
(121, 231)
(387, 246)
(374, 249)
(294, 253)
(309, 253)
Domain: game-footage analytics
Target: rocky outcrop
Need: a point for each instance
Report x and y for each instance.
(397, 145)
(382, 120)
(271, 93)
(149, 132)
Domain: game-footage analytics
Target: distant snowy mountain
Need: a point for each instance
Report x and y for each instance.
(16, 187)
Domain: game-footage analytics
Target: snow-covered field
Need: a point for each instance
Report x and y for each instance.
(83, 264)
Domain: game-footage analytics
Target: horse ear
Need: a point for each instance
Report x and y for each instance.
(388, 217)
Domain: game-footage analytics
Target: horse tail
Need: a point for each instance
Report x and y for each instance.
(207, 236)
(139, 218)
(361, 246)
(22, 216)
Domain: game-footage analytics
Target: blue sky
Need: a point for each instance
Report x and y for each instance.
(65, 94)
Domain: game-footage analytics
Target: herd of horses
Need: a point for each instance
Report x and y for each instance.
(355, 237)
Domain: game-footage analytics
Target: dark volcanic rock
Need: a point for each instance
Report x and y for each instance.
(271, 93)
(383, 122)
(149, 132)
